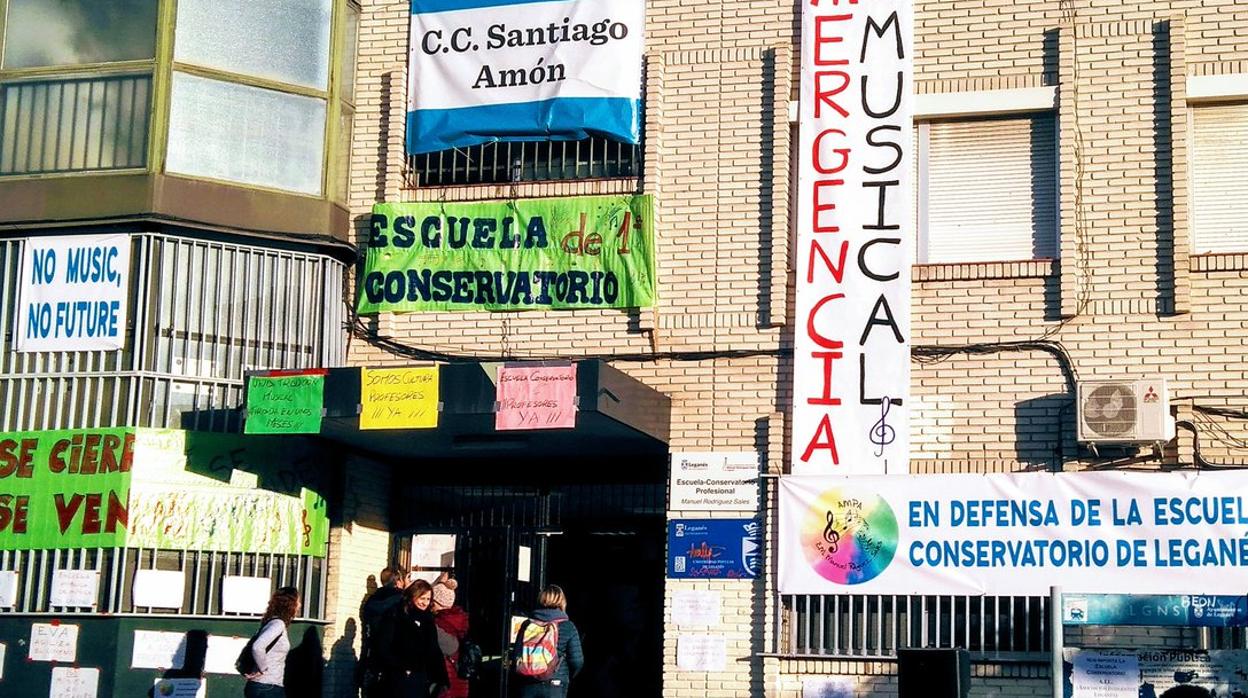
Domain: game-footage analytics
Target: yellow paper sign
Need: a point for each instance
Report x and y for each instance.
(399, 398)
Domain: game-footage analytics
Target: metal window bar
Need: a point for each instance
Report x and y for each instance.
(118, 567)
(204, 314)
(74, 124)
(878, 625)
(519, 161)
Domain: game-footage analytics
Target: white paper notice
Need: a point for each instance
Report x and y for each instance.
(222, 651)
(159, 588)
(245, 594)
(74, 588)
(154, 649)
(8, 589)
(53, 643)
(697, 608)
(828, 687)
(179, 688)
(714, 482)
(2, 651)
(1105, 675)
(524, 564)
(433, 550)
(68, 682)
(702, 653)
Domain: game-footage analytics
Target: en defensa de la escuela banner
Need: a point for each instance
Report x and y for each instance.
(1015, 533)
(532, 254)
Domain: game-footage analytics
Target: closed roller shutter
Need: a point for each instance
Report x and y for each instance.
(1220, 179)
(991, 190)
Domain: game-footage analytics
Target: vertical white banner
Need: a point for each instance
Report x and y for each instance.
(851, 373)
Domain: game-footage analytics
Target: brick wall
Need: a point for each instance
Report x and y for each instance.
(1125, 300)
(359, 544)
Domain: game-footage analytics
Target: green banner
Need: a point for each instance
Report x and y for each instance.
(529, 254)
(64, 489)
(285, 404)
(165, 489)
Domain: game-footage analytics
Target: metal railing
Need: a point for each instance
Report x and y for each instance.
(117, 568)
(204, 313)
(74, 124)
(518, 161)
(877, 625)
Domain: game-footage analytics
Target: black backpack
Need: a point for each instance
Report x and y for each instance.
(246, 662)
(468, 665)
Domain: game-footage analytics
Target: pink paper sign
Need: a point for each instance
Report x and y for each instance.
(536, 397)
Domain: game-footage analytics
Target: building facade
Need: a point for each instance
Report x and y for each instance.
(1075, 220)
(1078, 215)
(200, 148)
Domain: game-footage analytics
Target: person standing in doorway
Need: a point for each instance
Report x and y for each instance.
(406, 647)
(550, 617)
(271, 645)
(452, 624)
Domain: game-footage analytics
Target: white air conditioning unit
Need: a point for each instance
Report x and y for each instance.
(1124, 412)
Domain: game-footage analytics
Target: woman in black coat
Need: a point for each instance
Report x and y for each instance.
(409, 660)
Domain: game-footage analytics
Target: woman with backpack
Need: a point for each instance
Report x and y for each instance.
(269, 647)
(547, 652)
(452, 624)
(409, 661)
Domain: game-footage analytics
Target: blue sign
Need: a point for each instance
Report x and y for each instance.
(1194, 610)
(714, 549)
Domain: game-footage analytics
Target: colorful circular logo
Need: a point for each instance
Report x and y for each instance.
(849, 538)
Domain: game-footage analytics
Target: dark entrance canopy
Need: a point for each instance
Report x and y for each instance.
(617, 415)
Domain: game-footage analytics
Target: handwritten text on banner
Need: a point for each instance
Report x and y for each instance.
(851, 374)
(285, 404)
(536, 397)
(399, 398)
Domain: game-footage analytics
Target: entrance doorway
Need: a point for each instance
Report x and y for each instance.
(599, 534)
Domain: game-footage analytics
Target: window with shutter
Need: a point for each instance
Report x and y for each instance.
(988, 190)
(1219, 186)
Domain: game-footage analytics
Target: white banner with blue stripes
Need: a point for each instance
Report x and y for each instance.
(523, 70)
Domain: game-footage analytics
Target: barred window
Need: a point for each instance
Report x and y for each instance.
(518, 161)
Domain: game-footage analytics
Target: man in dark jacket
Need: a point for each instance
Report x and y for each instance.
(388, 597)
(553, 608)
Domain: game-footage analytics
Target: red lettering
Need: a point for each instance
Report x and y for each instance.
(825, 427)
(13, 512)
(65, 512)
(117, 514)
(810, 324)
(90, 454)
(821, 38)
(574, 242)
(26, 464)
(828, 357)
(820, 185)
(127, 452)
(593, 244)
(816, 152)
(91, 514)
(838, 269)
(108, 454)
(824, 96)
(56, 459)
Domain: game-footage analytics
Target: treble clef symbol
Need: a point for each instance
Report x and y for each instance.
(881, 433)
(830, 535)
